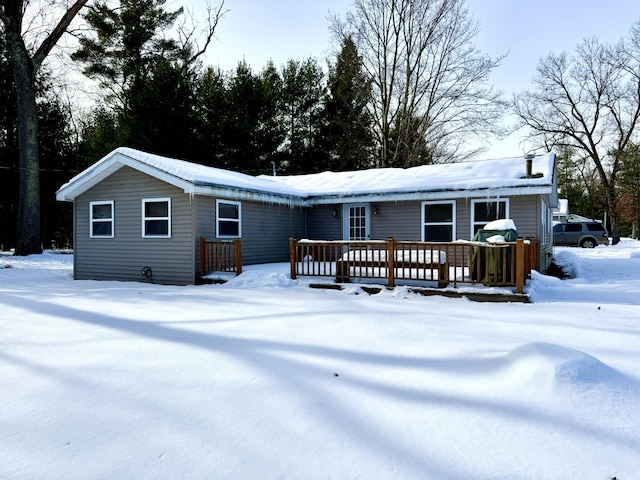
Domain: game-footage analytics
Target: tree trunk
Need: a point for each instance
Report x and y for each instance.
(28, 240)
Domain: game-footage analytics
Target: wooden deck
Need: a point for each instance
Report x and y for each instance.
(498, 264)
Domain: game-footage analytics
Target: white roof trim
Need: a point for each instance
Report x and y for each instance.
(116, 160)
(440, 195)
(196, 179)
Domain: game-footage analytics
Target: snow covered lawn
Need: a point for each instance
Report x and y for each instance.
(265, 378)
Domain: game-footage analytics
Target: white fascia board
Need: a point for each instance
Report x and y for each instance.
(435, 195)
(102, 170)
(249, 195)
(89, 178)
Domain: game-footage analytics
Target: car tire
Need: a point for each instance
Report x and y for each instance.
(588, 243)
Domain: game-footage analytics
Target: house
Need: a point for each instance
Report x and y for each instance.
(561, 213)
(138, 215)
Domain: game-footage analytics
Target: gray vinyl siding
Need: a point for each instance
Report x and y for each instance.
(322, 224)
(403, 220)
(265, 228)
(463, 219)
(525, 212)
(123, 257)
(400, 220)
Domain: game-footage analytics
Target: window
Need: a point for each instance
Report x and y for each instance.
(438, 221)
(358, 228)
(101, 219)
(483, 212)
(156, 218)
(228, 219)
(595, 227)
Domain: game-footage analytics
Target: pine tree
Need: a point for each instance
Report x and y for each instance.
(347, 123)
(127, 42)
(211, 110)
(302, 94)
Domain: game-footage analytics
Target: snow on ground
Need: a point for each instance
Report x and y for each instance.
(264, 377)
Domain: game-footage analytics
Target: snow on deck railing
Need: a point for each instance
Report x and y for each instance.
(500, 264)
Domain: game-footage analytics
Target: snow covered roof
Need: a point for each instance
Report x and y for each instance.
(505, 176)
(191, 177)
(486, 177)
(563, 208)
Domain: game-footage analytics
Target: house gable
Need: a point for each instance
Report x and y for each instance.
(124, 256)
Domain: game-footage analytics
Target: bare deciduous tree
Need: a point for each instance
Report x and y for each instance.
(590, 102)
(26, 60)
(430, 93)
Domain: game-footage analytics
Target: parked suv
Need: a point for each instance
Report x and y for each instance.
(580, 234)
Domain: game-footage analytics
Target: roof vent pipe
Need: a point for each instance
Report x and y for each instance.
(529, 158)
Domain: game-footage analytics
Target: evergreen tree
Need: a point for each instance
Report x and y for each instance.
(126, 44)
(629, 184)
(579, 184)
(347, 128)
(8, 153)
(147, 75)
(59, 161)
(271, 129)
(100, 133)
(302, 94)
(408, 141)
(244, 98)
(160, 117)
(211, 108)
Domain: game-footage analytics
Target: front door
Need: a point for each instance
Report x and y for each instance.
(356, 222)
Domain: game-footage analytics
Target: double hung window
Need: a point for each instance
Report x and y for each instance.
(156, 218)
(483, 212)
(438, 221)
(228, 215)
(101, 219)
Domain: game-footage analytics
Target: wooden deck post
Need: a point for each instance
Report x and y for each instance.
(535, 254)
(237, 246)
(391, 261)
(520, 263)
(292, 258)
(203, 256)
(443, 269)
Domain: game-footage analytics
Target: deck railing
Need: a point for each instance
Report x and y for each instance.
(492, 264)
(220, 256)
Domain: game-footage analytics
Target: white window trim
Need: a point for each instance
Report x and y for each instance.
(102, 220)
(486, 200)
(238, 220)
(453, 215)
(145, 218)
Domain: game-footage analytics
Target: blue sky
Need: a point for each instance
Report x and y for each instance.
(259, 30)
